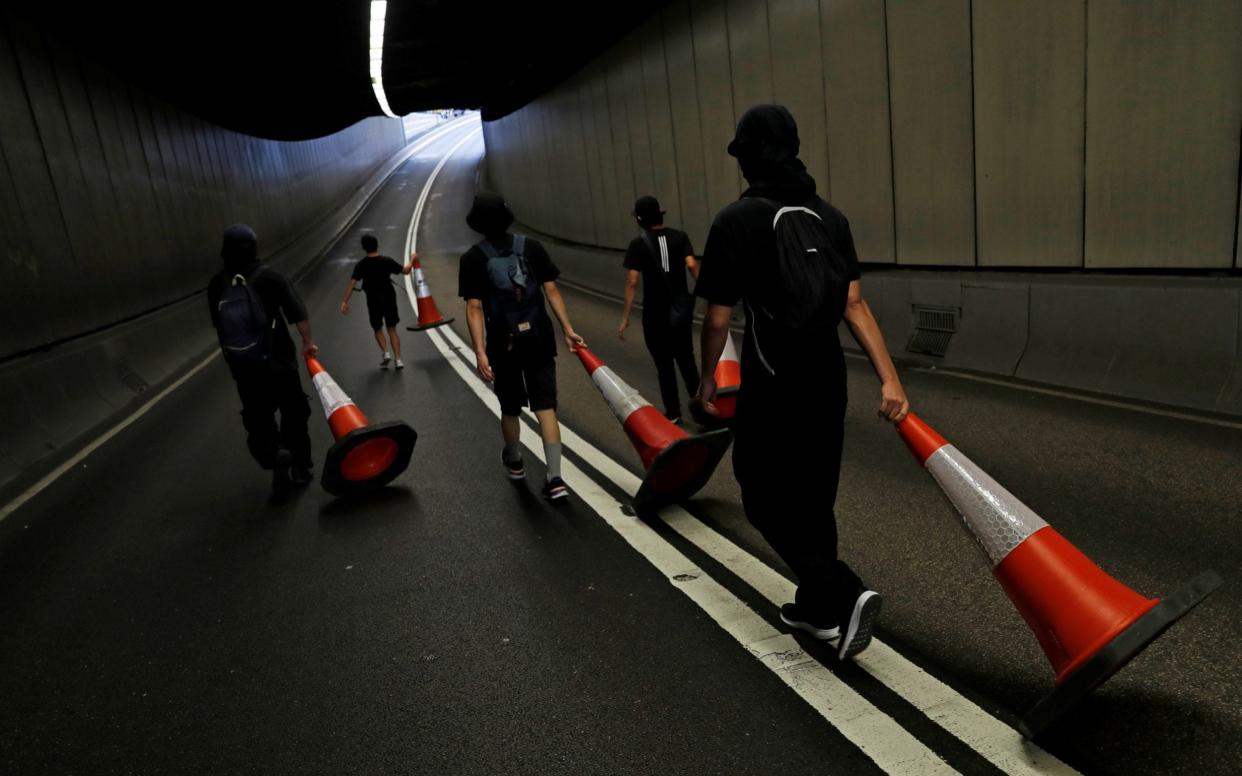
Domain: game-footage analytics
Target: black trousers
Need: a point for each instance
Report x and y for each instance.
(264, 395)
(787, 459)
(669, 346)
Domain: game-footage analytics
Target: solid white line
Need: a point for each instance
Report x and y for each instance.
(59, 471)
(411, 236)
(889, 745)
(995, 741)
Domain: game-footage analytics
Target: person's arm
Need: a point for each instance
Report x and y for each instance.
(693, 266)
(474, 321)
(349, 291)
(572, 340)
(409, 265)
(309, 348)
(893, 402)
(631, 283)
(712, 344)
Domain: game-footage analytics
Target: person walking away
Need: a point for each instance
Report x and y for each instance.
(505, 279)
(374, 271)
(251, 307)
(789, 256)
(661, 256)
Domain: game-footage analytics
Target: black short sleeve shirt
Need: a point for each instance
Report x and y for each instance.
(280, 301)
(475, 282)
(374, 272)
(660, 256)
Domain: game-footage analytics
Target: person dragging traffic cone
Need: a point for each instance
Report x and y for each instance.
(788, 255)
(505, 279)
(375, 271)
(1089, 624)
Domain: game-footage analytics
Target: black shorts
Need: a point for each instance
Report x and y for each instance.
(518, 384)
(383, 312)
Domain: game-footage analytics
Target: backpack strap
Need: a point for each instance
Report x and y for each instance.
(488, 249)
(519, 245)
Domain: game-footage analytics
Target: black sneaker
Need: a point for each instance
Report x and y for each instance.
(795, 617)
(555, 489)
(515, 468)
(281, 483)
(861, 624)
(301, 475)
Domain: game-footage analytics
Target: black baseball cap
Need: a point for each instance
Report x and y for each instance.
(647, 209)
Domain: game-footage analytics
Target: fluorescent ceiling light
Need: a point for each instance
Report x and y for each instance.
(378, 9)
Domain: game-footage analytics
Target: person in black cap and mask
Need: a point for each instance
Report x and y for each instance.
(789, 256)
(661, 256)
(504, 280)
(251, 307)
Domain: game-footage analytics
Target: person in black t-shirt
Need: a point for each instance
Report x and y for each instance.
(661, 256)
(374, 271)
(504, 280)
(275, 386)
(789, 425)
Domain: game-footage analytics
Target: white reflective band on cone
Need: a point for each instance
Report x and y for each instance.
(420, 284)
(730, 352)
(998, 521)
(330, 394)
(621, 398)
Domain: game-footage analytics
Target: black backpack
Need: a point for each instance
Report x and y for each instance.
(243, 325)
(517, 298)
(808, 290)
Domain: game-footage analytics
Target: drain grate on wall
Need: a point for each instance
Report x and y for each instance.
(934, 327)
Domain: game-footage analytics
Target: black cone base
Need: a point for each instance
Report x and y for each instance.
(681, 470)
(425, 326)
(338, 462)
(1116, 653)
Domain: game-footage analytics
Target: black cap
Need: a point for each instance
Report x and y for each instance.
(489, 215)
(647, 209)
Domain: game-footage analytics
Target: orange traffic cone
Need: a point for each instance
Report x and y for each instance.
(428, 315)
(677, 464)
(1089, 624)
(365, 456)
(728, 379)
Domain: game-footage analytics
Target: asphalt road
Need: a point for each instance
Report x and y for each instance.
(159, 617)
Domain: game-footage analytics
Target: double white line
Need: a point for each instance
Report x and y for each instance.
(880, 737)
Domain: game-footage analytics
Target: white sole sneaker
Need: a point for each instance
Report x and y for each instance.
(862, 623)
(823, 634)
(400, 364)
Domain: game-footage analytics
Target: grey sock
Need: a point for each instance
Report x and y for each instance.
(513, 451)
(552, 451)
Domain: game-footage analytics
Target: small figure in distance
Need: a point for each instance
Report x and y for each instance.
(790, 257)
(374, 271)
(661, 256)
(504, 280)
(252, 306)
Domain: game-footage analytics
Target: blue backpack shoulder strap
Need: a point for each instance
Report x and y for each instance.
(488, 249)
(519, 245)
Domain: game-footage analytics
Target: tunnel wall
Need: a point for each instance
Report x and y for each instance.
(111, 209)
(1096, 134)
(112, 202)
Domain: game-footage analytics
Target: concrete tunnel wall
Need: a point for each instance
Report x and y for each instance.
(1054, 135)
(111, 208)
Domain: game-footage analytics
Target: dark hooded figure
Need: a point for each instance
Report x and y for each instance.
(504, 280)
(774, 248)
(251, 308)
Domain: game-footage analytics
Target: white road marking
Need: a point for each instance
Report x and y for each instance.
(889, 745)
(873, 731)
(59, 471)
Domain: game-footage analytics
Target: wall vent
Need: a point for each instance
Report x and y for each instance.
(934, 327)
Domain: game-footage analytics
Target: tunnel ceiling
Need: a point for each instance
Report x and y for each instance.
(296, 71)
